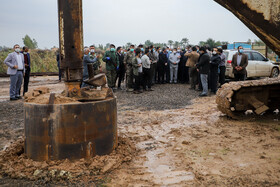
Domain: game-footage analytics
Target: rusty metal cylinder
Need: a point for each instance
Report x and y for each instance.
(70, 15)
(72, 131)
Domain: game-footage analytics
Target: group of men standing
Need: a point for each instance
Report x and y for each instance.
(207, 68)
(141, 68)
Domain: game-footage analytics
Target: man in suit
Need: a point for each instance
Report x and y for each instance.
(191, 63)
(16, 69)
(162, 63)
(239, 64)
(27, 68)
(121, 70)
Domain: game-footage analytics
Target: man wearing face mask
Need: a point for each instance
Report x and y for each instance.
(27, 69)
(112, 64)
(87, 60)
(214, 66)
(239, 64)
(153, 59)
(174, 59)
(94, 57)
(128, 58)
(121, 70)
(16, 69)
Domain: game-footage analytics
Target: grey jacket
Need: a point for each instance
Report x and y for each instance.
(146, 63)
(174, 58)
(11, 61)
(87, 60)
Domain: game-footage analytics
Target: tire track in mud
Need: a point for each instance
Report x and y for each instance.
(158, 136)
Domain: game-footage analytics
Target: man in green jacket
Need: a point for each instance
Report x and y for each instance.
(112, 65)
(129, 70)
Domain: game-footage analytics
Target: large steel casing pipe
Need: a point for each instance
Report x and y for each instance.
(72, 131)
(70, 17)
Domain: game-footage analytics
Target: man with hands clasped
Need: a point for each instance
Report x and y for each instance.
(174, 59)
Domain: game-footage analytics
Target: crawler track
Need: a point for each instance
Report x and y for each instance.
(235, 98)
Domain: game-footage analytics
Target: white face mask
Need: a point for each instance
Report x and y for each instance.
(174, 52)
(17, 50)
(25, 53)
(92, 51)
(214, 52)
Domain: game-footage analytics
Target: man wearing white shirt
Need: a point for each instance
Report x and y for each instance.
(16, 69)
(174, 59)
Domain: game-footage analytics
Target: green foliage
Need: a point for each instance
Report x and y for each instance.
(170, 43)
(31, 44)
(259, 43)
(212, 43)
(148, 43)
(184, 42)
(41, 60)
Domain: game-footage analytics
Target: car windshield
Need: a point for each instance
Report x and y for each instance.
(226, 54)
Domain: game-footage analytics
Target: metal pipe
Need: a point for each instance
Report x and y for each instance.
(70, 16)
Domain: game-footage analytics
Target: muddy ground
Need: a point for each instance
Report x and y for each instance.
(179, 139)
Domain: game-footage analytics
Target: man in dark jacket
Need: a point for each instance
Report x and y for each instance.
(121, 70)
(239, 64)
(214, 66)
(203, 69)
(162, 63)
(27, 65)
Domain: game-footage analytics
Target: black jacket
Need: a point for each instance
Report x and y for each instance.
(215, 61)
(203, 63)
(162, 58)
(121, 64)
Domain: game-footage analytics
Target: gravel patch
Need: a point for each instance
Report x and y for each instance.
(164, 97)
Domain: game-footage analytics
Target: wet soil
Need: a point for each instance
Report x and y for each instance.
(174, 138)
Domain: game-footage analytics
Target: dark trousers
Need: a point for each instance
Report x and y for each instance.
(138, 81)
(239, 77)
(167, 73)
(213, 79)
(183, 74)
(186, 77)
(120, 76)
(193, 76)
(153, 72)
(222, 75)
(161, 73)
(147, 74)
(59, 71)
(26, 80)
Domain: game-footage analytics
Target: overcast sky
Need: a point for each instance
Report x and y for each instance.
(122, 21)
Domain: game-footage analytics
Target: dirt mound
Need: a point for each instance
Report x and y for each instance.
(42, 96)
(14, 164)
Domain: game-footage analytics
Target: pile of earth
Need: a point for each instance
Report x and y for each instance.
(42, 95)
(14, 164)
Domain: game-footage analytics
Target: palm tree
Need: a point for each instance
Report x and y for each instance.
(170, 43)
(185, 42)
(176, 44)
(128, 45)
(148, 43)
